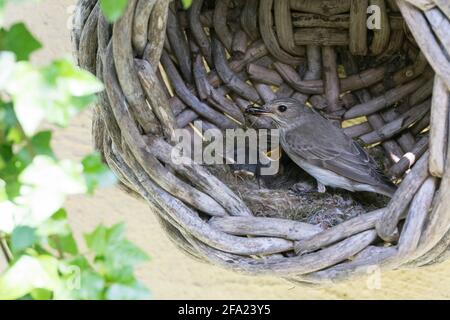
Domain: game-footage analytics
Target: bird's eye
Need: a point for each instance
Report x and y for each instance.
(282, 108)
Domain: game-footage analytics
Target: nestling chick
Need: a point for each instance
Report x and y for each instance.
(323, 150)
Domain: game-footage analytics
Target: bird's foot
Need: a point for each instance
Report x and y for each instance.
(321, 187)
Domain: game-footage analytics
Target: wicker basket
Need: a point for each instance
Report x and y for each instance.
(164, 68)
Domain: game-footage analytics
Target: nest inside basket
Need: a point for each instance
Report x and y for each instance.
(166, 68)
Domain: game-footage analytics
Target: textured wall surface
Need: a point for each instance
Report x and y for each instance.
(170, 274)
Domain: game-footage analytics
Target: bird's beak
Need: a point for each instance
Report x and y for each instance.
(257, 111)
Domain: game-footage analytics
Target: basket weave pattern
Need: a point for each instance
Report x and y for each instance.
(165, 68)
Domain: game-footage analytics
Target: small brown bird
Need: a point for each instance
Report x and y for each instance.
(323, 150)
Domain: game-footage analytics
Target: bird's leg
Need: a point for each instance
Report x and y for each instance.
(321, 187)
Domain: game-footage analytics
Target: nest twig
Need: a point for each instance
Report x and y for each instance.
(387, 87)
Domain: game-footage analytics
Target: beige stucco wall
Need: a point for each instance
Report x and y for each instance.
(170, 274)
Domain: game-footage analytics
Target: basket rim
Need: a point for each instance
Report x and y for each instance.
(137, 159)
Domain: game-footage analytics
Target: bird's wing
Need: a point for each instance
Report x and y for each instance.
(331, 149)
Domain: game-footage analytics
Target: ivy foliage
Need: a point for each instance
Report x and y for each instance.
(43, 259)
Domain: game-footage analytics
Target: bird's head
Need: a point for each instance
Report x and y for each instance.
(282, 111)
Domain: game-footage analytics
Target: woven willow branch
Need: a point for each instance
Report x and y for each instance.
(165, 68)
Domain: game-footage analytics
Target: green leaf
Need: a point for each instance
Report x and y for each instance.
(71, 79)
(186, 4)
(135, 291)
(6, 152)
(97, 240)
(79, 261)
(73, 88)
(9, 126)
(27, 274)
(92, 286)
(116, 233)
(3, 194)
(12, 189)
(60, 215)
(124, 254)
(14, 166)
(56, 92)
(113, 9)
(59, 233)
(115, 273)
(65, 244)
(115, 256)
(23, 237)
(7, 116)
(96, 173)
(44, 186)
(40, 143)
(18, 40)
(57, 224)
(119, 261)
(14, 136)
(41, 294)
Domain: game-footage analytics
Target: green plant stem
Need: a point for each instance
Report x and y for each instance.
(4, 248)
